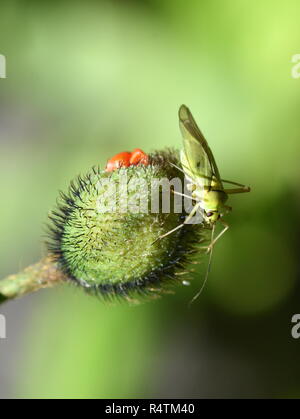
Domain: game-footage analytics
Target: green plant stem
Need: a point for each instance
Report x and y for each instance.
(43, 274)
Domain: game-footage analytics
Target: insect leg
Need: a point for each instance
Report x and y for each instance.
(233, 183)
(169, 232)
(226, 227)
(213, 242)
(182, 194)
(237, 190)
(189, 217)
(177, 167)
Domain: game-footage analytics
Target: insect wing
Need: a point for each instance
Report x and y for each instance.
(197, 159)
(195, 164)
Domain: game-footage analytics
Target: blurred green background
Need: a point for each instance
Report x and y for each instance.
(86, 80)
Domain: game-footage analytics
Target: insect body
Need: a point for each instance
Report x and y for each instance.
(119, 160)
(138, 157)
(126, 159)
(200, 169)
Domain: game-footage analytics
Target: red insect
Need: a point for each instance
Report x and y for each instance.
(126, 159)
(117, 161)
(138, 157)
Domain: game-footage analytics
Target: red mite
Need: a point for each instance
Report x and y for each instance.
(126, 159)
(119, 160)
(138, 157)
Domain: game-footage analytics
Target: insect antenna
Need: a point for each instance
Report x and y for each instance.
(207, 270)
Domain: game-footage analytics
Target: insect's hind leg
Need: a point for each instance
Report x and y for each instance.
(237, 190)
(241, 189)
(234, 183)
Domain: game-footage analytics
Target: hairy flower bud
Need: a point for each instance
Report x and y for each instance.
(107, 240)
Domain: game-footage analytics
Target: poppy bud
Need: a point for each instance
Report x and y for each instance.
(116, 250)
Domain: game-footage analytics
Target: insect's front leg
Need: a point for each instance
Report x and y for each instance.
(213, 242)
(186, 221)
(226, 227)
